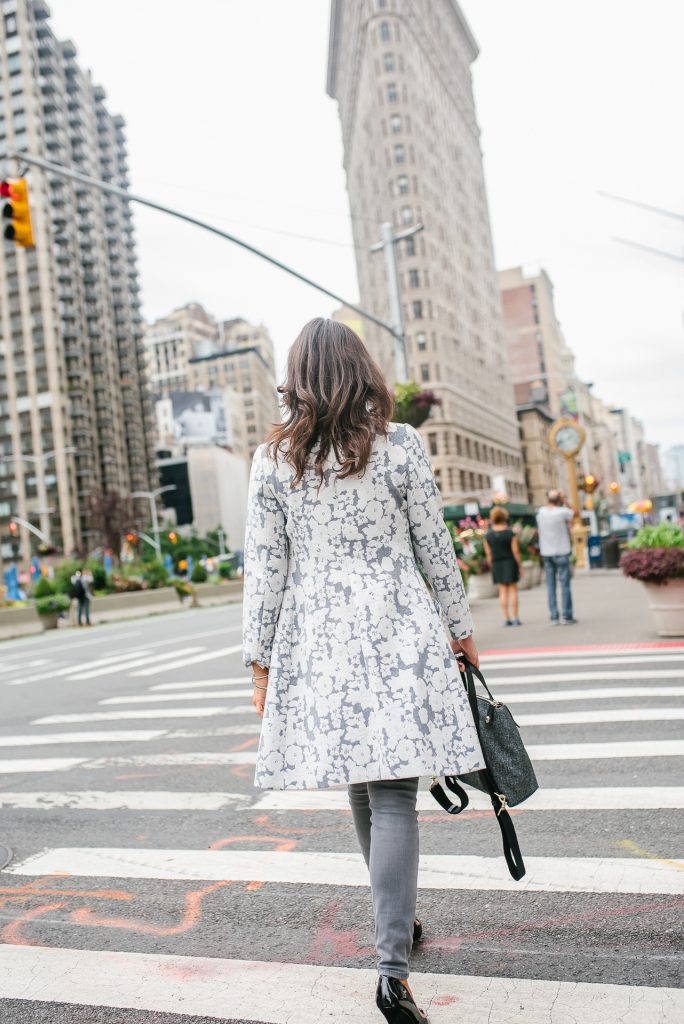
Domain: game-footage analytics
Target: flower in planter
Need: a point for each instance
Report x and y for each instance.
(412, 404)
(656, 554)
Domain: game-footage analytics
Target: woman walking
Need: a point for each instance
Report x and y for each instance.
(354, 674)
(503, 553)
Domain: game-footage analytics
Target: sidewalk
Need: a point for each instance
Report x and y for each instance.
(609, 608)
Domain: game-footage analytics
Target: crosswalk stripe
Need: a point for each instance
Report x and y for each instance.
(437, 871)
(112, 716)
(627, 659)
(125, 800)
(610, 749)
(598, 693)
(124, 667)
(208, 656)
(608, 652)
(607, 715)
(41, 764)
(200, 684)
(47, 739)
(252, 728)
(592, 799)
(122, 658)
(222, 757)
(152, 698)
(580, 677)
(267, 991)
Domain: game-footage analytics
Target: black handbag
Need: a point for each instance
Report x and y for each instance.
(508, 778)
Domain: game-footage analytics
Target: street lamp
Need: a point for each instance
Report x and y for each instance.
(39, 461)
(152, 498)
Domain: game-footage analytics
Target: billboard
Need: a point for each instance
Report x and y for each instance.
(194, 417)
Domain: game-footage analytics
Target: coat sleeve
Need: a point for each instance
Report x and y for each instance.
(266, 560)
(432, 543)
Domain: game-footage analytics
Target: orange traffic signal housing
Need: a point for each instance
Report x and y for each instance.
(16, 210)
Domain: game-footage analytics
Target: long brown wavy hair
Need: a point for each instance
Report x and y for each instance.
(334, 394)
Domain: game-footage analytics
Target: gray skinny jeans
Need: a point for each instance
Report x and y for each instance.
(386, 823)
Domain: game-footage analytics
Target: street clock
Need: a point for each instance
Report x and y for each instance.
(567, 437)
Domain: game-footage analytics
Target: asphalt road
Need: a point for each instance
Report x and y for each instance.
(147, 871)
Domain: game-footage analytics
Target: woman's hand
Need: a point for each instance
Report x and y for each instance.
(260, 681)
(468, 648)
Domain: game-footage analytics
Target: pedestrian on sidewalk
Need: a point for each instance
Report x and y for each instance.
(503, 554)
(554, 521)
(354, 675)
(81, 592)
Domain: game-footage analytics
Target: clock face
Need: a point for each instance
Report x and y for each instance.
(568, 439)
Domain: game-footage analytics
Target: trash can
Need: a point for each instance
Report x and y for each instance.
(595, 551)
(611, 552)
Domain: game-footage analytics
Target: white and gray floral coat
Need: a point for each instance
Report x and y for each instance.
(363, 683)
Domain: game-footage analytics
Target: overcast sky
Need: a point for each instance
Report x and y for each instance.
(228, 118)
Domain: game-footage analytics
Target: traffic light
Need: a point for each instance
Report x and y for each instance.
(16, 211)
(131, 537)
(13, 529)
(590, 484)
(614, 487)
(173, 537)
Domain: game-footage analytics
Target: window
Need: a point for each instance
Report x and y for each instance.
(438, 478)
(385, 31)
(410, 249)
(11, 25)
(395, 123)
(402, 184)
(462, 479)
(392, 94)
(417, 309)
(421, 342)
(424, 371)
(432, 444)
(413, 279)
(467, 447)
(388, 61)
(406, 215)
(399, 154)
(458, 443)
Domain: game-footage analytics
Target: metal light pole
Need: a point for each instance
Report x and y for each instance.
(39, 462)
(152, 498)
(396, 315)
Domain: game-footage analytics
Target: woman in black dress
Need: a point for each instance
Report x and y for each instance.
(503, 553)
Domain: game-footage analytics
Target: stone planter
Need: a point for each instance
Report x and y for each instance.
(527, 576)
(19, 622)
(50, 621)
(481, 587)
(666, 602)
(208, 594)
(133, 604)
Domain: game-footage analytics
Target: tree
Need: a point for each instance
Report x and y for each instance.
(110, 514)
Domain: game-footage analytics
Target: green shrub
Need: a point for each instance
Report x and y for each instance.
(664, 535)
(63, 573)
(155, 575)
(182, 588)
(225, 571)
(43, 588)
(199, 573)
(125, 584)
(100, 578)
(54, 604)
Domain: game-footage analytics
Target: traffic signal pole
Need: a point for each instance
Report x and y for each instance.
(105, 186)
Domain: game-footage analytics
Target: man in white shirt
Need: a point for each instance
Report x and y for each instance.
(554, 521)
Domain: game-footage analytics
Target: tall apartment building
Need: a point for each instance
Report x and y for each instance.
(400, 72)
(540, 360)
(243, 361)
(71, 354)
(172, 341)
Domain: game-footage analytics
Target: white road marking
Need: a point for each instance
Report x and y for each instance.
(93, 673)
(42, 764)
(622, 675)
(592, 799)
(221, 757)
(437, 871)
(199, 684)
(145, 713)
(608, 653)
(125, 800)
(151, 698)
(588, 751)
(599, 693)
(47, 739)
(625, 659)
(209, 656)
(267, 991)
(607, 715)
(121, 658)
(246, 729)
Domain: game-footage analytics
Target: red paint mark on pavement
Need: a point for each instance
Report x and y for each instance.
(444, 1000)
(280, 844)
(329, 944)
(242, 771)
(13, 935)
(501, 652)
(253, 742)
(192, 915)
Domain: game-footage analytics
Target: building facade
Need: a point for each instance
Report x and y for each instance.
(400, 72)
(172, 341)
(75, 415)
(244, 362)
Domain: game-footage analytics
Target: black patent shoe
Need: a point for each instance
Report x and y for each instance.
(417, 930)
(396, 1003)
